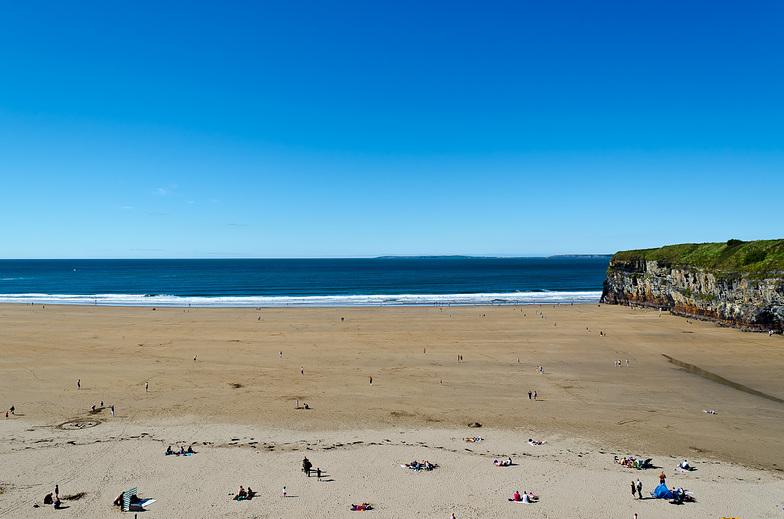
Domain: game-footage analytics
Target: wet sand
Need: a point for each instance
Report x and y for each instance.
(419, 405)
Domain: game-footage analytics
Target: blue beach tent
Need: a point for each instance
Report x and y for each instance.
(662, 492)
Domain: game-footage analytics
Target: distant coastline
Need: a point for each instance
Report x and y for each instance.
(558, 256)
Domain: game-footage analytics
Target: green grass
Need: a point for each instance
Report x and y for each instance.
(758, 258)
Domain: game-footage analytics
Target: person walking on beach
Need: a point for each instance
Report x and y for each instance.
(284, 491)
(302, 371)
(112, 409)
(634, 489)
(639, 488)
(662, 477)
(529, 395)
(57, 491)
(79, 384)
(146, 386)
(534, 395)
(371, 380)
(12, 409)
(318, 474)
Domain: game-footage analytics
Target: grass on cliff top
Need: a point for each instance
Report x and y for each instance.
(734, 256)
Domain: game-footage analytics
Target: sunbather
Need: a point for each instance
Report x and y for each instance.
(241, 494)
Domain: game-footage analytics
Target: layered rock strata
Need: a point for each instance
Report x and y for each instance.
(748, 302)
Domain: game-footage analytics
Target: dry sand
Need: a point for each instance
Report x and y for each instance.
(236, 405)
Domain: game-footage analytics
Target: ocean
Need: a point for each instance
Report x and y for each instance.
(304, 282)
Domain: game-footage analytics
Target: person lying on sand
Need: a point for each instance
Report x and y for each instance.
(505, 463)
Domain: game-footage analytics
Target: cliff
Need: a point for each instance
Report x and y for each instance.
(736, 283)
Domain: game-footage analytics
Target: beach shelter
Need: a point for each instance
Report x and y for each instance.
(662, 492)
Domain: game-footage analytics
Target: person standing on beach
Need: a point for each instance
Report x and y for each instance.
(302, 371)
(57, 491)
(634, 489)
(371, 380)
(146, 386)
(662, 477)
(284, 491)
(12, 409)
(112, 409)
(318, 474)
(79, 384)
(534, 395)
(529, 395)
(639, 488)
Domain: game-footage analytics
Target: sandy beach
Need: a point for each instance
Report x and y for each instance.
(226, 382)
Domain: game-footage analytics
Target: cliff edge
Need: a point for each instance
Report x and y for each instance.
(736, 283)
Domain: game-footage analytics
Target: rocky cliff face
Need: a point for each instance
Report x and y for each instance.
(733, 300)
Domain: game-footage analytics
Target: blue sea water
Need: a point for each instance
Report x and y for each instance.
(303, 282)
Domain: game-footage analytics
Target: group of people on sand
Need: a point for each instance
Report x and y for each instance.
(307, 468)
(424, 465)
(531, 441)
(505, 463)
(54, 499)
(243, 495)
(182, 452)
(633, 463)
(362, 507)
(525, 497)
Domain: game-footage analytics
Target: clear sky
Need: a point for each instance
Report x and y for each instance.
(341, 129)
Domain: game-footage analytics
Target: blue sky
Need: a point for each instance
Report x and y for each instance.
(319, 129)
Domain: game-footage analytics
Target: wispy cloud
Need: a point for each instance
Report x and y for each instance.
(165, 191)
